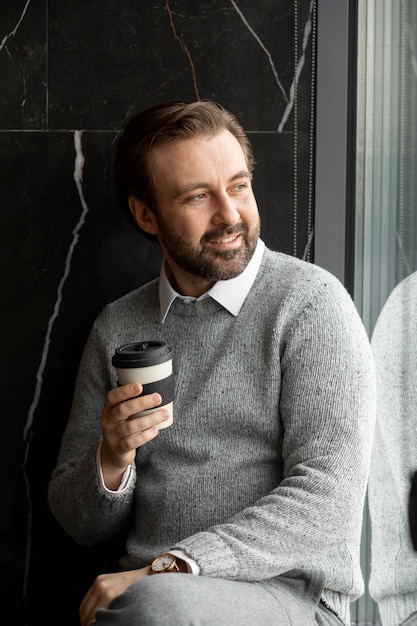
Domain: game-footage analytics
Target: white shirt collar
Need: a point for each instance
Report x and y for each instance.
(231, 294)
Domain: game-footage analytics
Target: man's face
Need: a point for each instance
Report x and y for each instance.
(207, 219)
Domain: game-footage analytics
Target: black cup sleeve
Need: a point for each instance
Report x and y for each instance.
(165, 388)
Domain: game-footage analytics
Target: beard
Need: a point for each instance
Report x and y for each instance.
(205, 262)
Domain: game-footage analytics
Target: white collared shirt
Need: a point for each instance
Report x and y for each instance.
(231, 294)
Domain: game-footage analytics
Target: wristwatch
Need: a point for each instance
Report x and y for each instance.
(167, 563)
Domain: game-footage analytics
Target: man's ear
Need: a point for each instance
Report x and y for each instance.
(144, 217)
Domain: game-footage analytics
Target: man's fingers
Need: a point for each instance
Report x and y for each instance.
(123, 393)
(126, 401)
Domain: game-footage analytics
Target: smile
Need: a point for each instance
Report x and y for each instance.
(228, 239)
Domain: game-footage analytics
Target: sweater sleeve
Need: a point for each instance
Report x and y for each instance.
(89, 513)
(393, 580)
(327, 407)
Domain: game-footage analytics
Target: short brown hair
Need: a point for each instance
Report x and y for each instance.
(158, 125)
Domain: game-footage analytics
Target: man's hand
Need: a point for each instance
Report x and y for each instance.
(121, 435)
(105, 588)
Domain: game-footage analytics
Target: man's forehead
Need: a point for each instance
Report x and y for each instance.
(186, 152)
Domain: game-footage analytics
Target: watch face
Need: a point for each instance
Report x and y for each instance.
(162, 563)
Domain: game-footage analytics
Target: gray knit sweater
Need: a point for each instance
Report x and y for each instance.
(265, 468)
(393, 580)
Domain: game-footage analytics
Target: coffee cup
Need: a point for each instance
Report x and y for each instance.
(150, 364)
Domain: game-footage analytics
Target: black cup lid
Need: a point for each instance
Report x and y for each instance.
(142, 354)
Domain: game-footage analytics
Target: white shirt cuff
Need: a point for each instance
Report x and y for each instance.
(125, 478)
(192, 566)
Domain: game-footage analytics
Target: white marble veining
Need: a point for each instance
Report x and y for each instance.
(268, 54)
(78, 179)
(298, 68)
(3, 43)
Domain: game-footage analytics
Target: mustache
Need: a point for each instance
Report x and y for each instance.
(237, 229)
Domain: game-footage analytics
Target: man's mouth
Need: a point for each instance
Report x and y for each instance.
(227, 243)
(226, 240)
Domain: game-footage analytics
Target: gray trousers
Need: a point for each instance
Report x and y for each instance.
(187, 600)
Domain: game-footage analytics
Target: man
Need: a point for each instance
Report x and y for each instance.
(256, 491)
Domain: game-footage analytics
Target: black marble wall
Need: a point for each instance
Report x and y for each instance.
(71, 74)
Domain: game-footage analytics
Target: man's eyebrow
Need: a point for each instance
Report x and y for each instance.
(201, 185)
(241, 174)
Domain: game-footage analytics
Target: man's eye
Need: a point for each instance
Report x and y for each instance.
(197, 197)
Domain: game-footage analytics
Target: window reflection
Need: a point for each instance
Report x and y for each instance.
(385, 290)
(393, 578)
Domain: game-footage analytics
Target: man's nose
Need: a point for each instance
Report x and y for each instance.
(226, 210)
